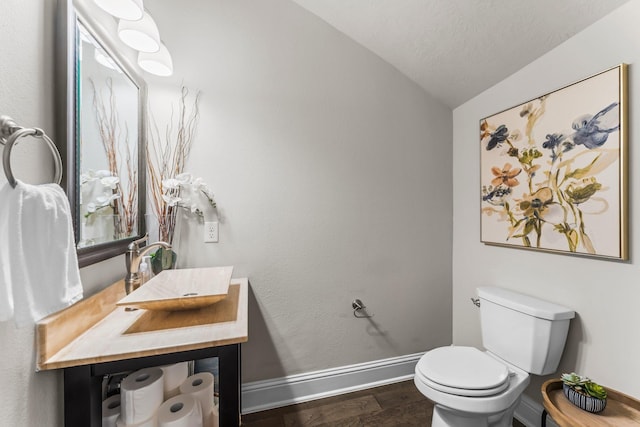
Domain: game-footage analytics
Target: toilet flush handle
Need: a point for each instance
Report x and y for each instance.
(476, 301)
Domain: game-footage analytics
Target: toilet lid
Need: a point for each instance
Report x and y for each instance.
(464, 368)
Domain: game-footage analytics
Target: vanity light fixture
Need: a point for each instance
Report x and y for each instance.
(141, 35)
(131, 10)
(158, 63)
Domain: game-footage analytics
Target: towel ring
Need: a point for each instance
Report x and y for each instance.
(10, 132)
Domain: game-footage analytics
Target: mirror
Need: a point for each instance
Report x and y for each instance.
(101, 134)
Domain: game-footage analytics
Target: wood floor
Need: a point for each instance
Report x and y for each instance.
(393, 405)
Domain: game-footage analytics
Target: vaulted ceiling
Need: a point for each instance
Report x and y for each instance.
(456, 49)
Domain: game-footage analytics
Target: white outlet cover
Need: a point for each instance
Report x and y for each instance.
(211, 232)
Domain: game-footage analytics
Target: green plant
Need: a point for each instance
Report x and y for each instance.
(584, 385)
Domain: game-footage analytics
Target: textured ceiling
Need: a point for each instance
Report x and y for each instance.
(456, 49)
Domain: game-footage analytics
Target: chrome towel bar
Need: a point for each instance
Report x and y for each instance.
(10, 133)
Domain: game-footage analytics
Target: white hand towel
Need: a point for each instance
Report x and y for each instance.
(7, 197)
(38, 253)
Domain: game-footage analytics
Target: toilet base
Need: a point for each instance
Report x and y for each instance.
(446, 417)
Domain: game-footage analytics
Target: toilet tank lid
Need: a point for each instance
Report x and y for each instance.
(525, 303)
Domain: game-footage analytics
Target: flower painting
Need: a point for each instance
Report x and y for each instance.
(553, 173)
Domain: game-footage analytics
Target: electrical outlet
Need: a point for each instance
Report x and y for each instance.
(211, 232)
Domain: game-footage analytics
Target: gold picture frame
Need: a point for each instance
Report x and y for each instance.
(553, 170)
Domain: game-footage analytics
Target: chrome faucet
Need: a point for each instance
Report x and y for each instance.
(133, 258)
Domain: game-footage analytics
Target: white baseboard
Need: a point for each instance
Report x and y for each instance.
(278, 392)
(529, 413)
(289, 390)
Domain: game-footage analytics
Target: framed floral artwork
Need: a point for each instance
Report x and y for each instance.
(553, 170)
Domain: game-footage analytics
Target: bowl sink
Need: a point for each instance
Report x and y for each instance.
(182, 289)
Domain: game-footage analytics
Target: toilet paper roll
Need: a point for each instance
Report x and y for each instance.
(209, 364)
(151, 422)
(182, 410)
(200, 386)
(110, 411)
(174, 375)
(141, 393)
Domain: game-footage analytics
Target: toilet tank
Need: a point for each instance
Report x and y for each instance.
(525, 331)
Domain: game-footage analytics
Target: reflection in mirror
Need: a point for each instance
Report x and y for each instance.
(108, 125)
(101, 134)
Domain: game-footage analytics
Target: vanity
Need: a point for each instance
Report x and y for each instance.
(101, 96)
(95, 337)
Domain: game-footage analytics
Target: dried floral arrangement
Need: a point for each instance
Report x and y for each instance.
(170, 188)
(115, 141)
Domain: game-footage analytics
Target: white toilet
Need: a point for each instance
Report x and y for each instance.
(474, 388)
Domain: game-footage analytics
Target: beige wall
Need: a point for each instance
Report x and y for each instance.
(603, 340)
(28, 398)
(26, 94)
(332, 171)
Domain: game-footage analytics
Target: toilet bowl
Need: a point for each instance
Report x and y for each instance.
(522, 335)
(470, 387)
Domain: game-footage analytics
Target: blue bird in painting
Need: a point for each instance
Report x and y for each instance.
(592, 132)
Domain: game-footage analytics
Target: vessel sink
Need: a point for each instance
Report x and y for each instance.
(181, 289)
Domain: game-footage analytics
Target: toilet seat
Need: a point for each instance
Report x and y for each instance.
(463, 371)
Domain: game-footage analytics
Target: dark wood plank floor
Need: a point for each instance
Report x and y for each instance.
(393, 405)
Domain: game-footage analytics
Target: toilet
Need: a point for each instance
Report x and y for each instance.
(522, 335)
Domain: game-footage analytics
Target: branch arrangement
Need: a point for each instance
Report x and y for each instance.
(115, 140)
(167, 154)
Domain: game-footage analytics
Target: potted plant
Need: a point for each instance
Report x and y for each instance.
(584, 393)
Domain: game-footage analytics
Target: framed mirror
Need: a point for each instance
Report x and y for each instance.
(101, 133)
